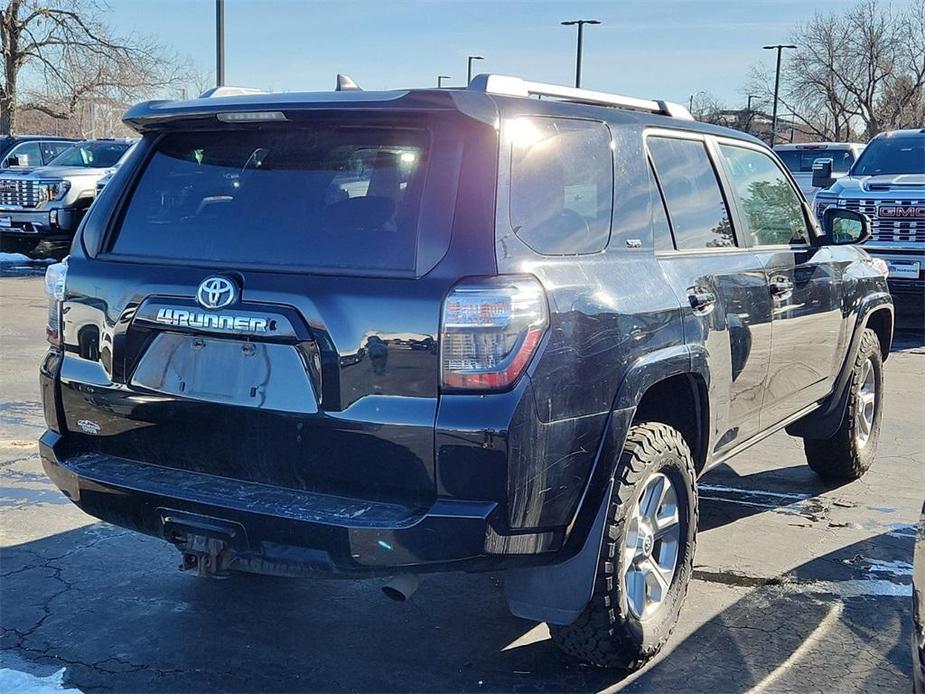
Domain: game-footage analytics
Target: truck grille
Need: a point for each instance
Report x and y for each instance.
(16, 192)
(889, 229)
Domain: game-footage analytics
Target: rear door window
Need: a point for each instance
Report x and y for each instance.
(696, 208)
(317, 196)
(561, 184)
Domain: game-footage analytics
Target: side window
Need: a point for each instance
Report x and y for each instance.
(771, 206)
(29, 153)
(698, 213)
(561, 184)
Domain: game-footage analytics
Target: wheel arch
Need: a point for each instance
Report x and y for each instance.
(880, 320)
(875, 312)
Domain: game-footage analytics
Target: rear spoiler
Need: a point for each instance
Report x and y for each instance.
(155, 115)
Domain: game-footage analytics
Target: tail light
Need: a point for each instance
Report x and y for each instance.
(490, 330)
(55, 278)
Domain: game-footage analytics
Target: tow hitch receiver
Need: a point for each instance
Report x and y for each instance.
(204, 556)
(208, 545)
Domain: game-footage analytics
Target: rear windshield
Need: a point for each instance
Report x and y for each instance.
(801, 160)
(307, 195)
(898, 155)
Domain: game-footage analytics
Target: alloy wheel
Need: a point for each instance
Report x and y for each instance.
(651, 546)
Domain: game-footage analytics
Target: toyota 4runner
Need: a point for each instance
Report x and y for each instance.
(388, 333)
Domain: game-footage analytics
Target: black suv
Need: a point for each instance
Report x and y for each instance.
(387, 333)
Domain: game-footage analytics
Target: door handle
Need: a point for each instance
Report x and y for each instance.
(781, 288)
(702, 300)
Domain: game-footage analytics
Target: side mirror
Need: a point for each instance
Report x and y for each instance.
(822, 173)
(843, 227)
(12, 160)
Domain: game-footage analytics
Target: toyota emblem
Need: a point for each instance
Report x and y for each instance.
(216, 292)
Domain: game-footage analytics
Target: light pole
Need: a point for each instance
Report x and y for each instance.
(440, 79)
(469, 67)
(580, 23)
(690, 108)
(779, 47)
(219, 43)
(750, 115)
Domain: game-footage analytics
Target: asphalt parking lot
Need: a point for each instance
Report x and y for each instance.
(798, 586)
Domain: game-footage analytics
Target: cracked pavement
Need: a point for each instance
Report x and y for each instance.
(797, 586)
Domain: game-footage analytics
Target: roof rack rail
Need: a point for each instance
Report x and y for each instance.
(515, 86)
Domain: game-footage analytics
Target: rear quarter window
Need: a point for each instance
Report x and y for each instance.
(561, 184)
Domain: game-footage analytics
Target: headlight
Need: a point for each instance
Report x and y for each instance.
(53, 189)
(880, 266)
(822, 204)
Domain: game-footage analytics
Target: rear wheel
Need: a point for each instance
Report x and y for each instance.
(851, 451)
(646, 557)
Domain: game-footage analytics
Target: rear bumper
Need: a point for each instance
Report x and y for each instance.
(278, 530)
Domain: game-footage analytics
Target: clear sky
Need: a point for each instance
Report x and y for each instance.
(656, 48)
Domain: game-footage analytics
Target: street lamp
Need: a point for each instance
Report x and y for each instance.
(219, 43)
(440, 79)
(469, 67)
(690, 108)
(580, 23)
(779, 47)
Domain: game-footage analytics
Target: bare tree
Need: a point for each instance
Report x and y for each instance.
(706, 107)
(59, 54)
(855, 73)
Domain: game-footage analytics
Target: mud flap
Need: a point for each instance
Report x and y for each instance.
(557, 594)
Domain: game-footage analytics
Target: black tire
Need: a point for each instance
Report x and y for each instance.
(608, 633)
(844, 457)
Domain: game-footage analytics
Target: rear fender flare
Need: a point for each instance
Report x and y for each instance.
(823, 422)
(558, 593)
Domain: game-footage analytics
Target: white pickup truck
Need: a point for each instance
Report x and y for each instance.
(800, 158)
(886, 183)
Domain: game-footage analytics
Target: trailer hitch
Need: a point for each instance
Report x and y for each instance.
(207, 545)
(204, 556)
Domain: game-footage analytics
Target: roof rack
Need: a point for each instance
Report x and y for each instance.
(515, 86)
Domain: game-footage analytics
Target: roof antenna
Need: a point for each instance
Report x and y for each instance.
(345, 84)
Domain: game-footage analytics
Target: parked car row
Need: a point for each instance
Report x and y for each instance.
(42, 206)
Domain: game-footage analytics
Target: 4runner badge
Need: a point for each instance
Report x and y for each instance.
(216, 292)
(222, 322)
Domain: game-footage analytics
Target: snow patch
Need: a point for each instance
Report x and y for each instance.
(16, 682)
(6, 258)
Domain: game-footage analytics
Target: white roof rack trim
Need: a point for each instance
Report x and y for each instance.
(515, 86)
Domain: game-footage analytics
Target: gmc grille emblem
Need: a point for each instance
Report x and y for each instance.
(902, 211)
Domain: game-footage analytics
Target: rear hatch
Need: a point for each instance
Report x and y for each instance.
(260, 297)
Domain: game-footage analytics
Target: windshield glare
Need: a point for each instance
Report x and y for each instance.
(905, 155)
(96, 154)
